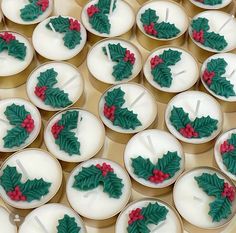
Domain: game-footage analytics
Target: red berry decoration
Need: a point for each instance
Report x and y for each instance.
(150, 30)
(208, 76)
(109, 112)
(28, 123)
(188, 132)
(198, 36)
(56, 129)
(16, 195)
(226, 147)
(155, 61)
(158, 176)
(40, 92)
(105, 168)
(92, 10)
(229, 192)
(135, 215)
(44, 4)
(74, 25)
(129, 57)
(7, 37)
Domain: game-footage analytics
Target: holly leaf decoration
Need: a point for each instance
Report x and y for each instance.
(60, 24)
(229, 160)
(232, 139)
(117, 52)
(200, 24)
(166, 30)
(3, 45)
(72, 38)
(122, 70)
(68, 225)
(149, 16)
(31, 11)
(212, 2)
(115, 97)
(47, 78)
(69, 120)
(100, 22)
(137, 227)
(17, 49)
(217, 66)
(170, 57)
(104, 6)
(215, 41)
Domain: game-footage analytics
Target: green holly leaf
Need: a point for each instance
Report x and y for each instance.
(72, 38)
(166, 30)
(138, 227)
(117, 52)
(30, 12)
(115, 98)
(178, 118)
(148, 17)
(220, 209)
(104, 6)
(17, 49)
(69, 120)
(47, 78)
(229, 160)
(67, 225)
(122, 70)
(60, 24)
(170, 57)
(215, 41)
(10, 178)
(100, 22)
(200, 24)
(232, 139)
(3, 45)
(212, 2)
(211, 184)
(217, 66)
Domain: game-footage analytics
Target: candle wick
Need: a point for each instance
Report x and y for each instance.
(4, 121)
(22, 168)
(167, 14)
(41, 224)
(226, 22)
(111, 7)
(158, 226)
(151, 146)
(51, 26)
(68, 82)
(108, 52)
(197, 107)
(197, 198)
(179, 73)
(137, 99)
(231, 74)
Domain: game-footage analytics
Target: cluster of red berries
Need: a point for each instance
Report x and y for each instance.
(44, 4)
(92, 10)
(226, 147)
(188, 132)
(105, 168)
(155, 61)
(56, 129)
(7, 37)
(198, 36)
(74, 25)
(40, 92)
(208, 76)
(16, 195)
(158, 176)
(149, 29)
(135, 215)
(129, 57)
(28, 123)
(109, 112)
(228, 192)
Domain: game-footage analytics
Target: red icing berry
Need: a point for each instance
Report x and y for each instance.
(135, 215)
(74, 25)
(208, 76)
(92, 10)
(155, 61)
(105, 168)
(28, 123)
(7, 37)
(198, 36)
(229, 192)
(56, 129)
(226, 147)
(129, 57)
(109, 112)
(16, 195)
(158, 176)
(44, 4)
(149, 29)
(40, 92)
(188, 132)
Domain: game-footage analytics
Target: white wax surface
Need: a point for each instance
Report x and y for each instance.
(170, 225)
(122, 19)
(5, 221)
(10, 65)
(219, 157)
(209, 7)
(162, 142)
(188, 101)
(146, 107)
(65, 72)
(230, 58)
(5, 126)
(96, 204)
(191, 209)
(100, 66)
(49, 215)
(50, 44)
(90, 134)
(177, 15)
(38, 164)
(11, 9)
(180, 82)
(215, 21)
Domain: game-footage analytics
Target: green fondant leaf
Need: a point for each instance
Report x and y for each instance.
(60, 24)
(166, 30)
(17, 49)
(170, 57)
(100, 22)
(138, 227)
(69, 120)
(200, 24)
(104, 6)
(117, 52)
(215, 41)
(3, 44)
(67, 225)
(30, 12)
(212, 2)
(232, 139)
(229, 160)
(115, 97)
(72, 38)
(149, 16)
(122, 70)
(47, 78)
(217, 66)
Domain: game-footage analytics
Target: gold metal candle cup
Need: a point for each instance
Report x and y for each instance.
(141, 2)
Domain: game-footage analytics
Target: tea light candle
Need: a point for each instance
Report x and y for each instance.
(88, 134)
(167, 221)
(101, 197)
(5, 221)
(196, 200)
(114, 19)
(23, 15)
(52, 42)
(106, 69)
(182, 72)
(195, 118)
(127, 109)
(16, 59)
(30, 178)
(146, 151)
(213, 79)
(52, 218)
(161, 23)
(212, 32)
(20, 125)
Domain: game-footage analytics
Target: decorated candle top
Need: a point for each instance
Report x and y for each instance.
(28, 181)
(225, 153)
(157, 153)
(122, 64)
(27, 11)
(104, 194)
(194, 117)
(20, 124)
(218, 75)
(16, 53)
(148, 215)
(162, 19)
(205, 198)
(74, 135)
(214, 31)
(6, 221)
(100, 18)
(56, 218)
(54, 86)
(171, 69)
(211, 4)
(59, 38)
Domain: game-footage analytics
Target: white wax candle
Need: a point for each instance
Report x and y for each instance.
(10, 65)
(5, 125)
(66, 72)
(38, 164)
(96, 204)
(11, 9)
(90, 133)
(49, 215)
(162, 142)
(185, 72)
(145, 108)
(121, 19)
(100, 66)
(6, 221)
(50, 44)
(230, 73)
(170, 224)
(189, 101)
(209, 7)
(193, 203)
